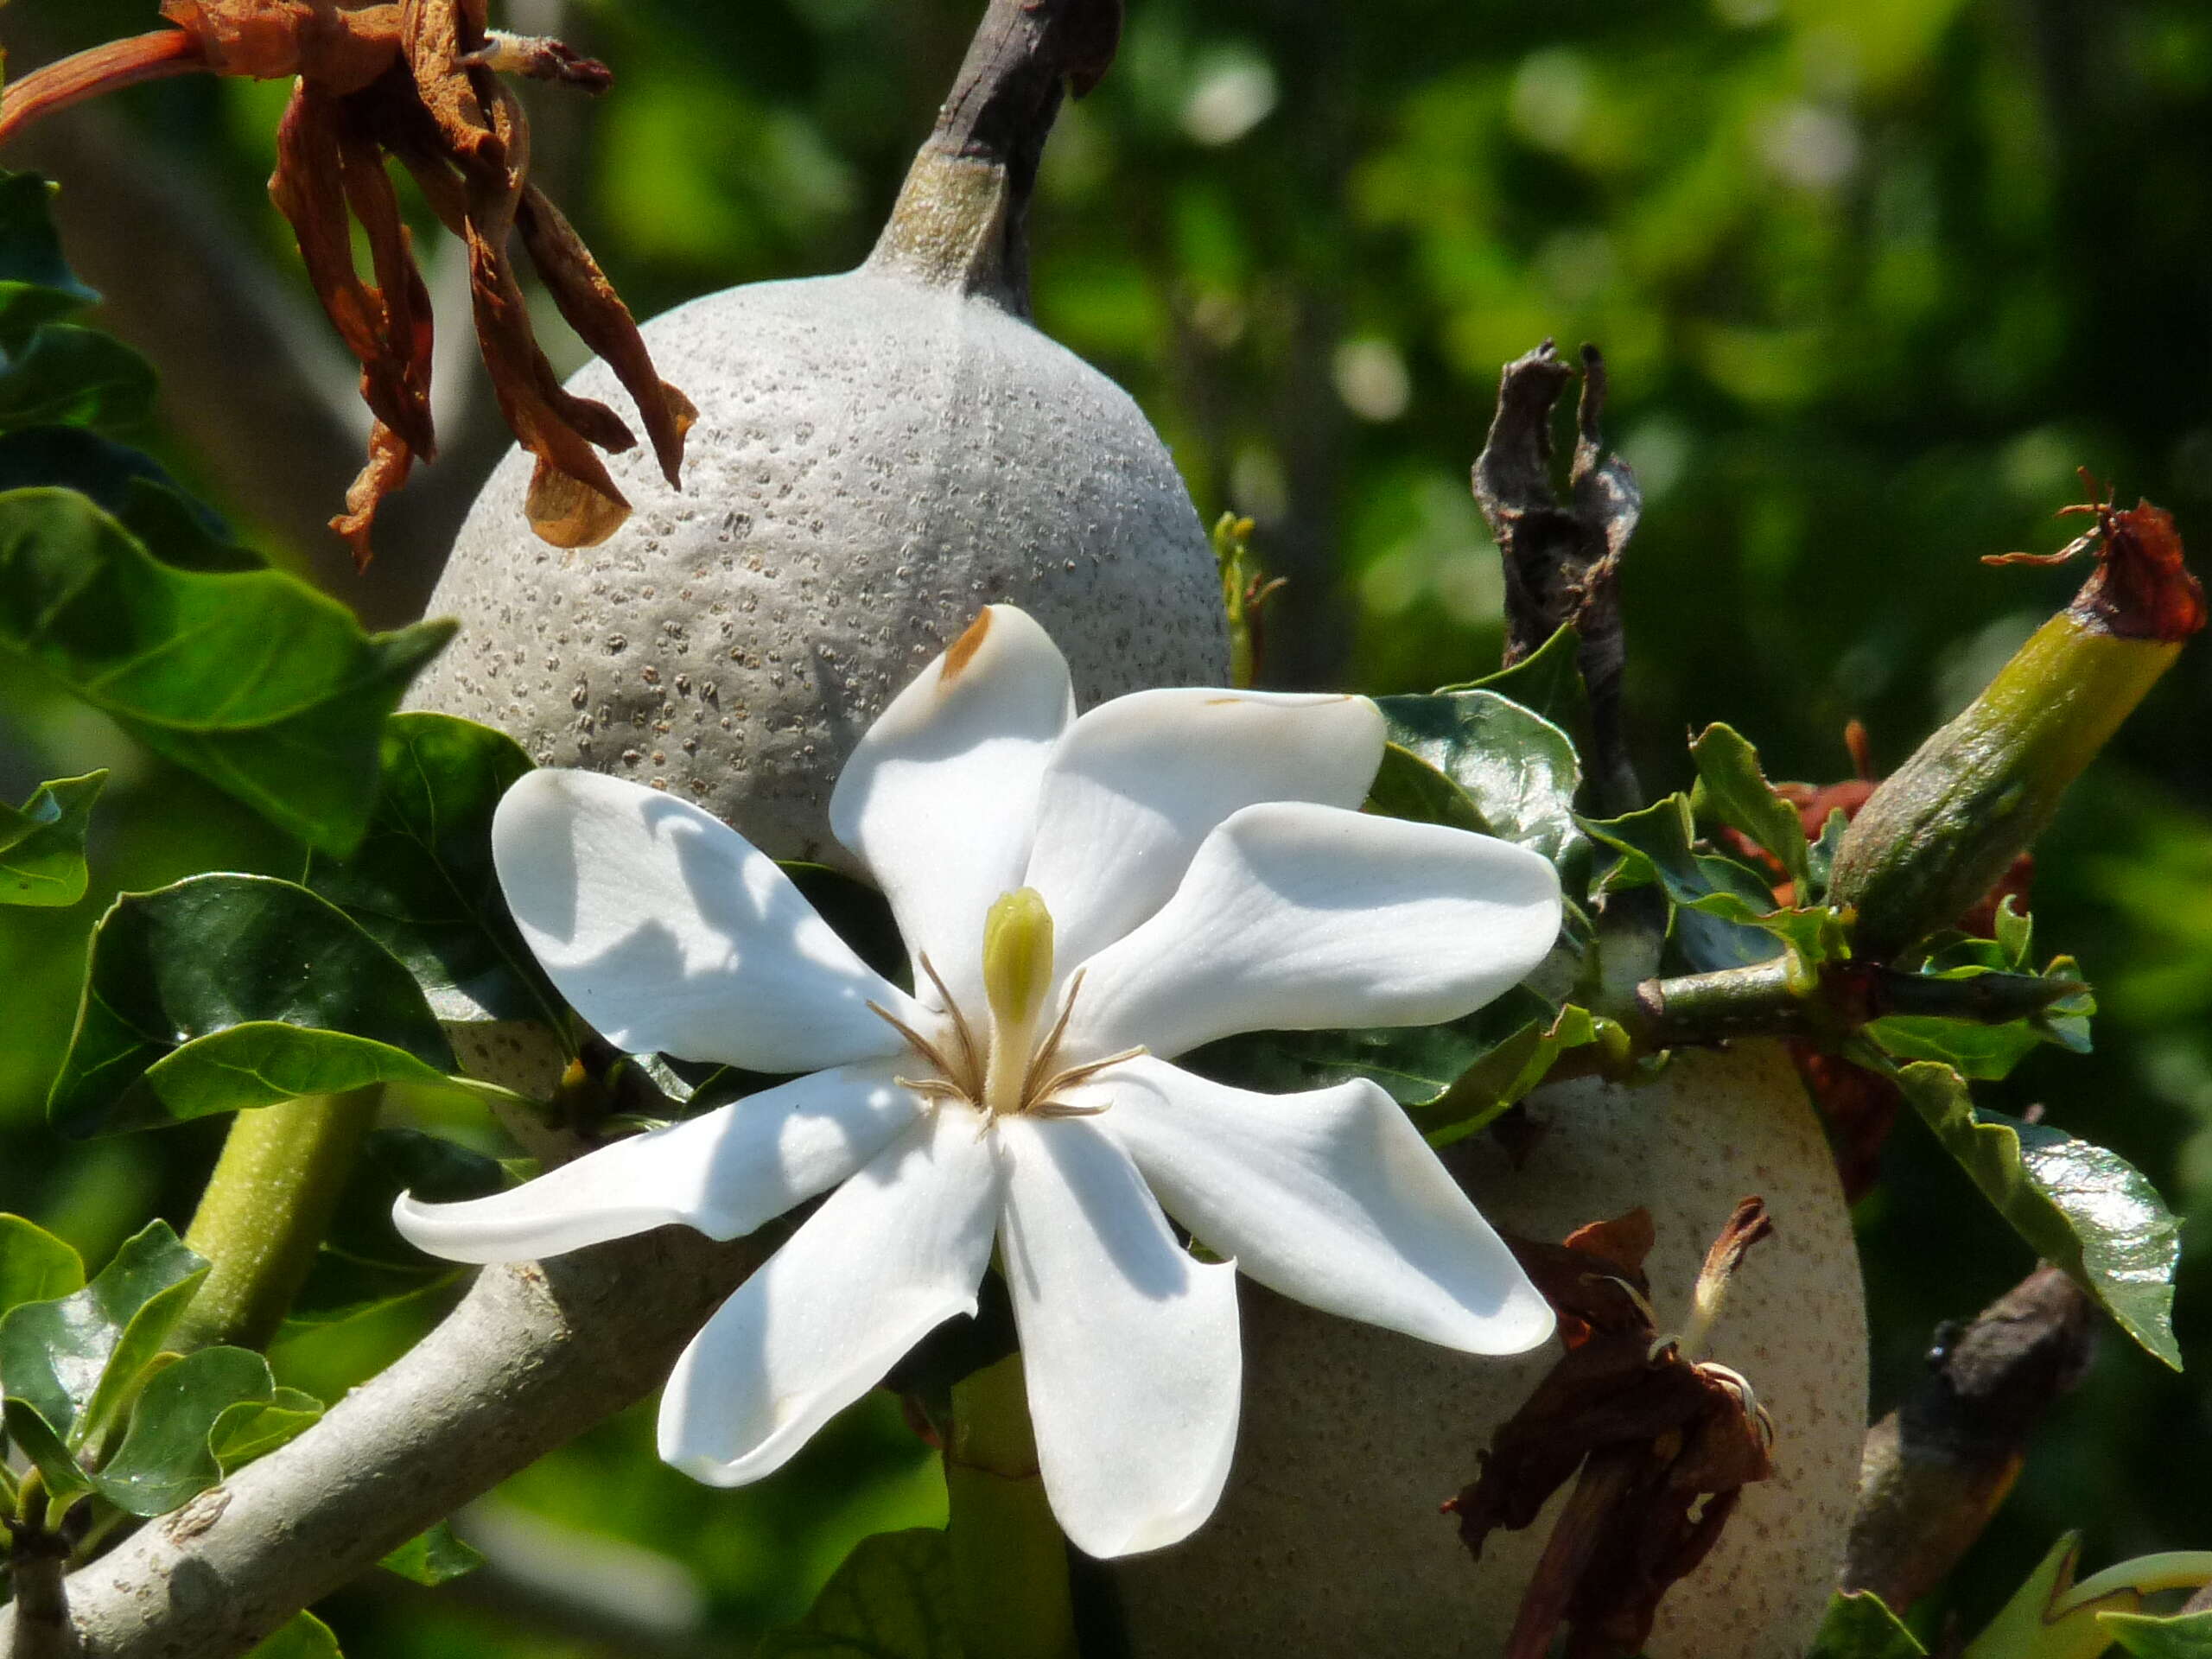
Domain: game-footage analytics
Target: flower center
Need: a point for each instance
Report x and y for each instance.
(1006, 1068)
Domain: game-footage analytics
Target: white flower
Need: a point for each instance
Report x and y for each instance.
(1173, 867)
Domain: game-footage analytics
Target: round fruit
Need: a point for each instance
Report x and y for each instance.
(1329, 1542)
(877, 456)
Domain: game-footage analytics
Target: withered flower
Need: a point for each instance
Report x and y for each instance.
(418, 81)
(1664, 1442)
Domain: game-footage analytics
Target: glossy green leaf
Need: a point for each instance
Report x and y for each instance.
(1717, 906)
(891, 1599)
(2086, 1209)
(433, 1558)
(130, 486)
(363, 1261)
(252, 1429)
(1504, 1076)
(305, 1638)
(167, 1456)
(421, 884)
(68, 376)
(36, 285)
(73, 1359)
(1546, 682)
(66, 1480)
(2182, 1636)
(2049, 1617)
(34, 1265)
(1733, 788)
(1518, 770)
(226, 992)
(264, 687)
(1859, 1626)
(1406, 787)
(42, 842)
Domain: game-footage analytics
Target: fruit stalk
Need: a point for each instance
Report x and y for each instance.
(962, 219)
(1930, 840)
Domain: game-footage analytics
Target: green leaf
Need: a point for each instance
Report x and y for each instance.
(67, 376)
(74, 1358)
(42, 842)
(2183, 1635)
(36, 285)
(1518, 770)
(130, 484)
(363, 1261)
(264, 687)
(66, 1481)
(1859, 1626)
(34, 1265)
(167, 1457)
(305, 1638)
(433, 1558)
(248, 1430)
(891, 1599)
(1546, 682)
(1733, 788)
(1406, 787)
(1718, 907)
(226, 992)
(421, 884)
(2086, 1209)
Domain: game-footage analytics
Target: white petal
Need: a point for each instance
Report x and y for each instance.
(1138, 783)
(724, 1173)
(669, 932)
(1298, 918)
(1130, 1345)
(894, 1253)
(1332, 1197)
(939, 798)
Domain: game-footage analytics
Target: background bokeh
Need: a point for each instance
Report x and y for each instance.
(1873, 275)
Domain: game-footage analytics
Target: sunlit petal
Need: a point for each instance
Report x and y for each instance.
(724, 1173)
(1294, 916)
(897, 1250)
(1138, 783)
(1332, 1197)
(939, 798)
(1130, 1345)
(669, 932)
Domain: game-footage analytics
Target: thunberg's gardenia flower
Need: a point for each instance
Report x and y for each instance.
(1085, 900)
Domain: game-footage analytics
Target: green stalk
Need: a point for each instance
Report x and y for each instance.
(265, 1211)
(1009, 1561)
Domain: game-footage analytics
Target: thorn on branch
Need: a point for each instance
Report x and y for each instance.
(1937, 1468)
(1562, 563)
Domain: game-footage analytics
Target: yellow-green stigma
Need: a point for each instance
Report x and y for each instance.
(1006, 1070)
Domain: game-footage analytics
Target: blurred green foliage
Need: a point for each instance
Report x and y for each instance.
(1874, 277)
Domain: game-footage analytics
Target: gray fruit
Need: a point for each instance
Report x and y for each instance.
(1328, 1544)
(878, 456)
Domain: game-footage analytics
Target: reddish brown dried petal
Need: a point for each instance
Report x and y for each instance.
(595, 311)
(436, 35)
(340, 47)
(389, 463)
(93, 74)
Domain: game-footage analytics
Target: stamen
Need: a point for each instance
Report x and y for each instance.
(919, 1044)
(968, 1049)
(1075, 1074)
(1050, 1045)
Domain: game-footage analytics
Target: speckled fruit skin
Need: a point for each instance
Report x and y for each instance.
(1329, 1542)
(876, 459)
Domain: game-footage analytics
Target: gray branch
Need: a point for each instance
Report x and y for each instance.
(535, 1354)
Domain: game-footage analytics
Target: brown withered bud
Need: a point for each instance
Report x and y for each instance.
(1664, 1441)
(416, 81)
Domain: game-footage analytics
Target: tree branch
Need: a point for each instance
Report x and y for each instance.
(535, 1354)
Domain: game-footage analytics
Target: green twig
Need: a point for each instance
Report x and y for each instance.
(265, 1211)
